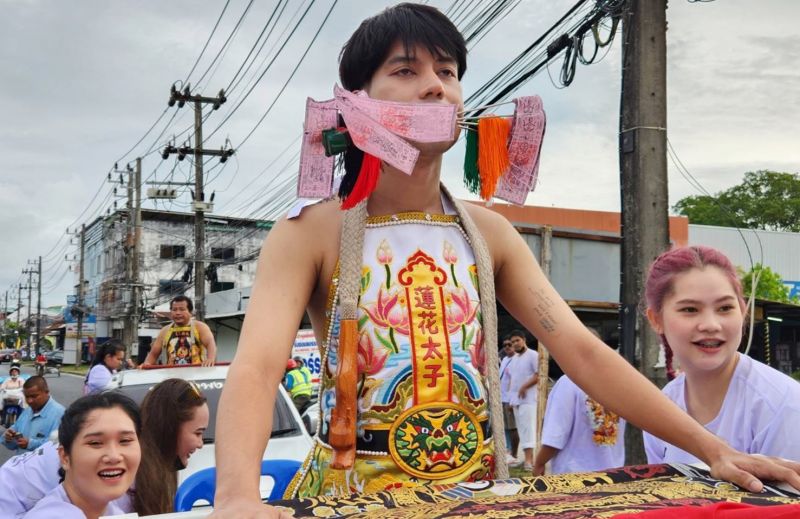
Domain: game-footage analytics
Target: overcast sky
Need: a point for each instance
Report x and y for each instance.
(82, 81)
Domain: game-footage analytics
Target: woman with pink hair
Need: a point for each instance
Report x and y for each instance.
(695, 303)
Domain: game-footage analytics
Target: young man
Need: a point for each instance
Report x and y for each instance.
(505, 397)
(523, 377)
(38, 420)
(187, 341)
(413, 53)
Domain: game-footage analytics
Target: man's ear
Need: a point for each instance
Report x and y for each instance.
(655, 321)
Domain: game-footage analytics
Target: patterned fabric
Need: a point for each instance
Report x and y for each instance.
(422, 410)
(590, 495)
(184, 346)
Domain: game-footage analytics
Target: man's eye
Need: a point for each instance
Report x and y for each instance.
(448, 72)
(404, 72)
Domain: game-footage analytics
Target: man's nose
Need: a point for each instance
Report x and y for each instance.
(432, 87)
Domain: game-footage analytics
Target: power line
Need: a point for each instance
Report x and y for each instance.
(210, 36)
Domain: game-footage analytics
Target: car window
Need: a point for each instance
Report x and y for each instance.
(283, 421)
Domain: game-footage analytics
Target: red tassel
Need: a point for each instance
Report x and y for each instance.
(366, 182)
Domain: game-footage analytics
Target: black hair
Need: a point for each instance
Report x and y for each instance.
(110, 347)
(36, 381)
(368, 47)
(76, 414)
(185, 299)
(412, 24)
(518, 333)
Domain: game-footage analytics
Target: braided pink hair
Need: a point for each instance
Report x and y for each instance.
(661, 276)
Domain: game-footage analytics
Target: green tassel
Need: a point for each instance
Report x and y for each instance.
(472, 178)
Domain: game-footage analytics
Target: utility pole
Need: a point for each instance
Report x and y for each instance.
(130, 333)
(79, 334)
(643, 183)
(199, 204)
(39, 308)
(19, 305)
(5, 319)
(137, 238)
(29, 272)
(129, 328)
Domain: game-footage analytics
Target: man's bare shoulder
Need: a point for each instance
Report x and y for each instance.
(326, 214)
(494, 227)
(497, 231)
(201, 325)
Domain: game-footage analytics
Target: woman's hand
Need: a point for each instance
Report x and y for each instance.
(747, 470)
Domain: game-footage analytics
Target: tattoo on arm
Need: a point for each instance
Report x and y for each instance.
(544, 307)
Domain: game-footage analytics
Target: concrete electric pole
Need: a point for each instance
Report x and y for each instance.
(643, 172)
(199, 204)
(39, 308)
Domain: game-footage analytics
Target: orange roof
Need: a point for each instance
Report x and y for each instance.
(584, 220)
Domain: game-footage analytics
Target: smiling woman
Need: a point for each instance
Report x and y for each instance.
(175, 416)
(99, 457)
(695, 303)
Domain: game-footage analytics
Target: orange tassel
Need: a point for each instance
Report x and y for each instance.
(366, 182)
(493, 161)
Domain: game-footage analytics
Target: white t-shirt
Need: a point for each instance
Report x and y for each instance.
(588, 437)
(98, 380)
(759, 415)
(56, 504)
(522, 367)
(26, 478)
(505, 379)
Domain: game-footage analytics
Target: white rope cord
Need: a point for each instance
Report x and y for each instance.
(483, 261)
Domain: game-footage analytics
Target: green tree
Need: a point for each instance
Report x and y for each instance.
(770, 285)
(764, 200)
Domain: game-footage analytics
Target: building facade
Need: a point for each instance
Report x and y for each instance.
(166, 263)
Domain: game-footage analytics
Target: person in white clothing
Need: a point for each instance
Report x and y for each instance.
(99, 455)
(695, 303)
(579, 434)
(512, 437)
(108, 359)
(524, 374)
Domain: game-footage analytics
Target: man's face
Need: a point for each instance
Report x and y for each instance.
(519, 344)
(179, 312)
(508, 348)
(417, 78)
(36, 397)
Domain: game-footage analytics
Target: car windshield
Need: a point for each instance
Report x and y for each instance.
(283, 421)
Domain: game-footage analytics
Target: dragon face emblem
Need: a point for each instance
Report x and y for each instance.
(435, 441)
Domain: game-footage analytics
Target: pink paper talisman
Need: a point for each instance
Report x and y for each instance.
(524, 149)
(316, 170)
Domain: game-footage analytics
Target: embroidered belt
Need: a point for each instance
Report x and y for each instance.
(377, 440)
